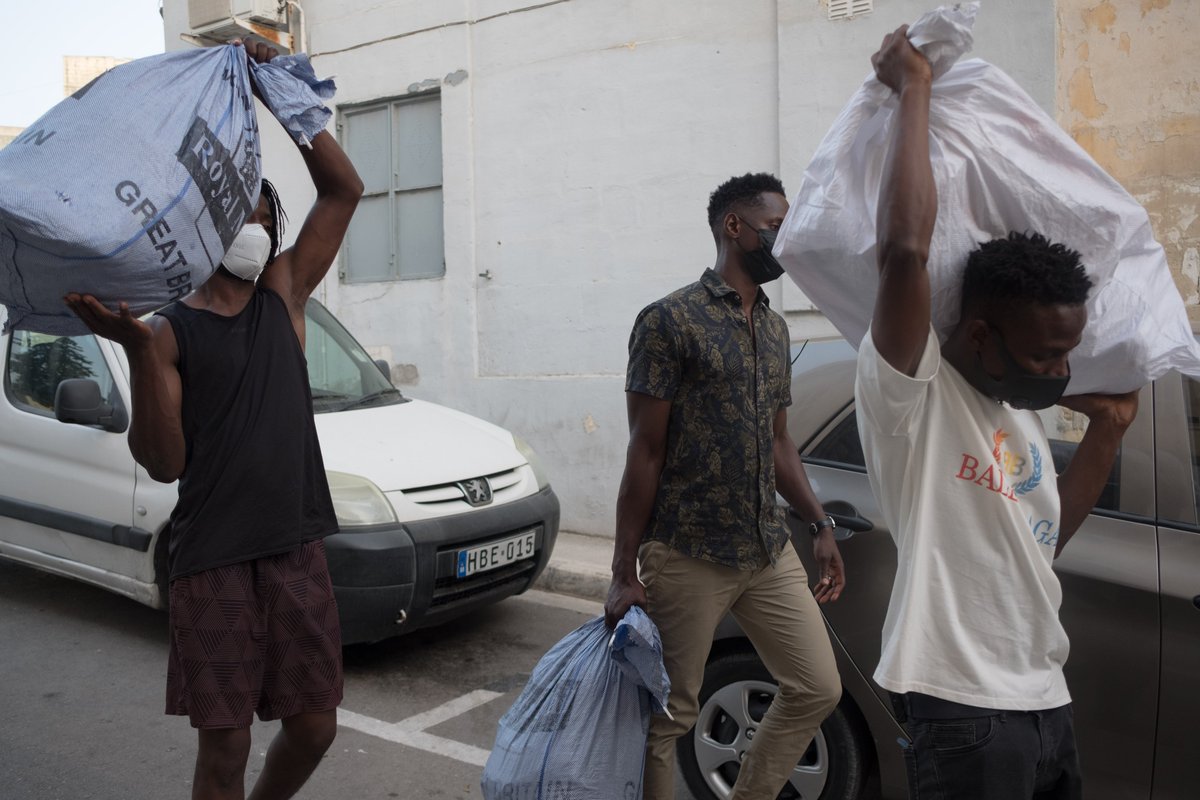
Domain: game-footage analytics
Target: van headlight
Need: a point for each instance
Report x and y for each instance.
(357, 502)
(535, 463)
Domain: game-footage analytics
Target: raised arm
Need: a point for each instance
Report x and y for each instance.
(301, 268)
(1080, 484)
(907, 209)
(644, 459)
(156, 427)
(298, 270)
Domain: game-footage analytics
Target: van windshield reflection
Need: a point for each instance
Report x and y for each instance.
(341, 374)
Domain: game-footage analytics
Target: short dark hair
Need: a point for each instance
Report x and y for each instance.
(278, 217)
(745, 190)
(1024, 267)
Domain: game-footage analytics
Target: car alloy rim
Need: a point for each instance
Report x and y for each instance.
(726, 727)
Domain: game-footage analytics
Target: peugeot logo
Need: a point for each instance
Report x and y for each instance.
(477, 491)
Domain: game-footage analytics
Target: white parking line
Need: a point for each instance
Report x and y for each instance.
(449, 710)
(411, 732)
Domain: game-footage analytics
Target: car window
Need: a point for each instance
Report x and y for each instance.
(331, 370)
(340, 373)
(841, 446)
(37, 362)
(1064, 428)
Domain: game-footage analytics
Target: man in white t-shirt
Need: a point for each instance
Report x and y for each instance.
(973, 649)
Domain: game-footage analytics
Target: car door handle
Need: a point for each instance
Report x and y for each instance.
(849, 521)
(847, 517)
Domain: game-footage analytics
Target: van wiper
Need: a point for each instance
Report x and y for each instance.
(367, 399)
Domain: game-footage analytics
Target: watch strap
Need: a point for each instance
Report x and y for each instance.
(816, 527)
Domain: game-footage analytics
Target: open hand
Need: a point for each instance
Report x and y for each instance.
(122, 327)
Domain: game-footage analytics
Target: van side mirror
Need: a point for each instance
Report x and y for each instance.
(77, 401)
(384, 367)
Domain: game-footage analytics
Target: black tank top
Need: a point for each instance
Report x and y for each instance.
(253, 483)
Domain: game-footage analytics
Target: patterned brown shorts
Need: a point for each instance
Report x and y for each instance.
(259, 636)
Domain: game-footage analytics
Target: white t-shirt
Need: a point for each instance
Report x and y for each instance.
(968, 488)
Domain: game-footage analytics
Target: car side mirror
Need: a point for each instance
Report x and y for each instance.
(77, 401)
(384, 367)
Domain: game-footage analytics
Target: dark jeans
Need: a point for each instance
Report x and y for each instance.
(982, 754)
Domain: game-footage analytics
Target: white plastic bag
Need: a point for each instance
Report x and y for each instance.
(1000, 164)
(578, 729)
(132, 188)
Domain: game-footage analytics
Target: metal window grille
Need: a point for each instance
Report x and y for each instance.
(397, 231)
(847, 9)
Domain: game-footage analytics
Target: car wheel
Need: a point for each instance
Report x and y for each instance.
(736, 693)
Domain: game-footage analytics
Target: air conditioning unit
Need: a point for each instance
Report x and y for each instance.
(202, 13)
(219, 21)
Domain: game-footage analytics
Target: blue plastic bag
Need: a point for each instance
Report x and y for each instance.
(294, 93)
(578, 729)
(132, 188)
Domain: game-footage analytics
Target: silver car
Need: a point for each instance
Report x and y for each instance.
(1131, 606)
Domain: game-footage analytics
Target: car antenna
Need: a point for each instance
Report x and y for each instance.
(797, 356)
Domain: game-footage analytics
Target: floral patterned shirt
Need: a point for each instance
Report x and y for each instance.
(716, 494)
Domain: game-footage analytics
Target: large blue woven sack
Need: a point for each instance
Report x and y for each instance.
(132, 188)
(578, 729)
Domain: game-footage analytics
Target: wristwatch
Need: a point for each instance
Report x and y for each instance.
(816, 527)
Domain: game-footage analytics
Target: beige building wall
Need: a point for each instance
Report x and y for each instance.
(79, 71)
(8, 133)
(1129, 92)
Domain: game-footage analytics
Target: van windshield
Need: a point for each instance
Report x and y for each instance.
(340, 373)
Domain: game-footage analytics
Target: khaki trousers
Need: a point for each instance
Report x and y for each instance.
(687, 598)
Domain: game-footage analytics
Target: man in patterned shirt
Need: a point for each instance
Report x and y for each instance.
(707, 391)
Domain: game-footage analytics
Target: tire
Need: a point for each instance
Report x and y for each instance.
(833, 767)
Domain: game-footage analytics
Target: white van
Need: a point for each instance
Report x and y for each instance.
(440, 512)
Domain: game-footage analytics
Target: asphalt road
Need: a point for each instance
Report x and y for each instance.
(82, 676)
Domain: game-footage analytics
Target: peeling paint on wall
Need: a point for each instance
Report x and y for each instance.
(405, 374)
(1081, 92)
(1100, 17)
(1129, 93)
(1190, 273)
(424, 86)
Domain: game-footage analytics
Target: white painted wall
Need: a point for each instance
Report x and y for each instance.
(578, 154)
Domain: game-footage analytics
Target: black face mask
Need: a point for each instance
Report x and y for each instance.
(1020, 388)
(760, 264)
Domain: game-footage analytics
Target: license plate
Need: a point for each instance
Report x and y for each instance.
(495, 554)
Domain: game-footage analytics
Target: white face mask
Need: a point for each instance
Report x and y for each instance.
(248, 252)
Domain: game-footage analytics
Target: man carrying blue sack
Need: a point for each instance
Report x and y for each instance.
(699, 534)
(221, 402)
(973, 649)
